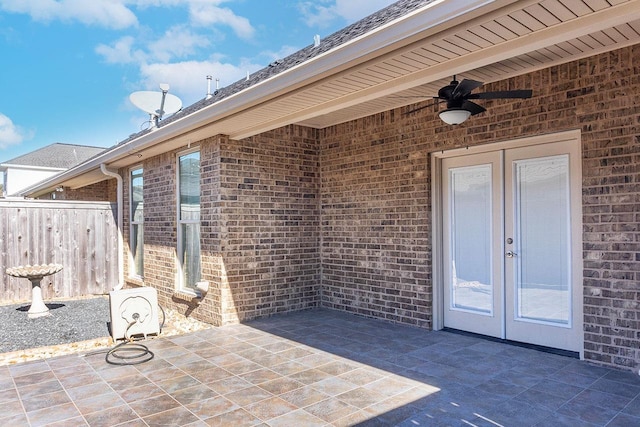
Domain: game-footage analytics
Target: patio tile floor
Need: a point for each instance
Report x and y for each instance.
(320, 368)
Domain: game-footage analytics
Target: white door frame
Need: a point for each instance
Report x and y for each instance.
(573, 140)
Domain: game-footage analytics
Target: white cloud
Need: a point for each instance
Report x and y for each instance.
(188, 79)
(177, 42)
(282, 53)
(203, 14)
(117, 14)
(165, 3)
(11, 134)
(120, 52)
(321, 14)
(352, 10)
(103, 13)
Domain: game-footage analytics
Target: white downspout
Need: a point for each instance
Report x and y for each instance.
(119, 203)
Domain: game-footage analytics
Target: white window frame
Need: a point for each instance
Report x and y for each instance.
(180, 285)
(133, 271)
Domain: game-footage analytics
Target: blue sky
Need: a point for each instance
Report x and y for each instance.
(68, 66)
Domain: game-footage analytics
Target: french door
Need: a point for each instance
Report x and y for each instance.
(511, 245)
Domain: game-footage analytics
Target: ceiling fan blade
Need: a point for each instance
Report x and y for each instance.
(473, 108)
(416, 98)
(465, 87)
(423, 107)
(503, 94)
(409, 97)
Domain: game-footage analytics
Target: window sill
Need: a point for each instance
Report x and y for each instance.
(134, 281)
(187, 296)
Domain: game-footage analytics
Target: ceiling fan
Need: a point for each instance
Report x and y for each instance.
(458, 95)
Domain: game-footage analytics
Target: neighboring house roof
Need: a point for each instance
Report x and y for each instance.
(57, 155)
(398, 56)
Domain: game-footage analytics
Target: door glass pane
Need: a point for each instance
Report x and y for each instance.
(471, 278)
(543, 281)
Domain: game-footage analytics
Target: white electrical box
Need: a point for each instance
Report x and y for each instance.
(134, 312)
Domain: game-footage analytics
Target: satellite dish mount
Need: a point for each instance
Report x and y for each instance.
(149, 101)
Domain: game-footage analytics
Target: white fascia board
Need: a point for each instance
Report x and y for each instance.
(29, 167)
(344, 56)
(367, 46)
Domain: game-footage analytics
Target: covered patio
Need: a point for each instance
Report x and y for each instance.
(321, 368)
(327, 178)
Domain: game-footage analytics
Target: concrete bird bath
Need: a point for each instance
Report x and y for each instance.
(35, 273)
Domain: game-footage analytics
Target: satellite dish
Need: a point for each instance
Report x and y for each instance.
(156, 104)
(151, 102)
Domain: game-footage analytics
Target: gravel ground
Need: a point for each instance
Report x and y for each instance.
(70, 321)
(78, 325)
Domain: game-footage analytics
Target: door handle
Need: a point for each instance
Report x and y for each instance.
(510, 254)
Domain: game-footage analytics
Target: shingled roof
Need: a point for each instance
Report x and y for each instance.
(357, 29)
(58, 155)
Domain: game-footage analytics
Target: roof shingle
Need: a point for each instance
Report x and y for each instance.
(57, 155)
(365, 25)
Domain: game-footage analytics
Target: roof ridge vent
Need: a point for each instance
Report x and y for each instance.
(316, 40)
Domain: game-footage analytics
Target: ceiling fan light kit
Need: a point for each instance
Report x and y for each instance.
(454, 116)
(457, 95)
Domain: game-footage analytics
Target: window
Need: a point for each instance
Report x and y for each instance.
(136, 221)
(189, 219)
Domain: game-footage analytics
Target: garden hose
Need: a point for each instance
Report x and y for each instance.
(130, 352)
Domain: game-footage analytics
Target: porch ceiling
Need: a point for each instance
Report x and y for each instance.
(514, 40)
(400, 63)
(511, 40)
(488, 41)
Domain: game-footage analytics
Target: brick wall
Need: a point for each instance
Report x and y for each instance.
(270, 222)
(103, 191)
(259, 226)
(212, 261)
(375, 220)
(160, 234)
(341, 217)
(605, 98)
(376, 203)
(159, 195)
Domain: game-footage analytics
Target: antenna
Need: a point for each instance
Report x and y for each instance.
(165, 88)
(149, 102)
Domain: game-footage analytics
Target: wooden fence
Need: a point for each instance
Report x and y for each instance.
(81, 236)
